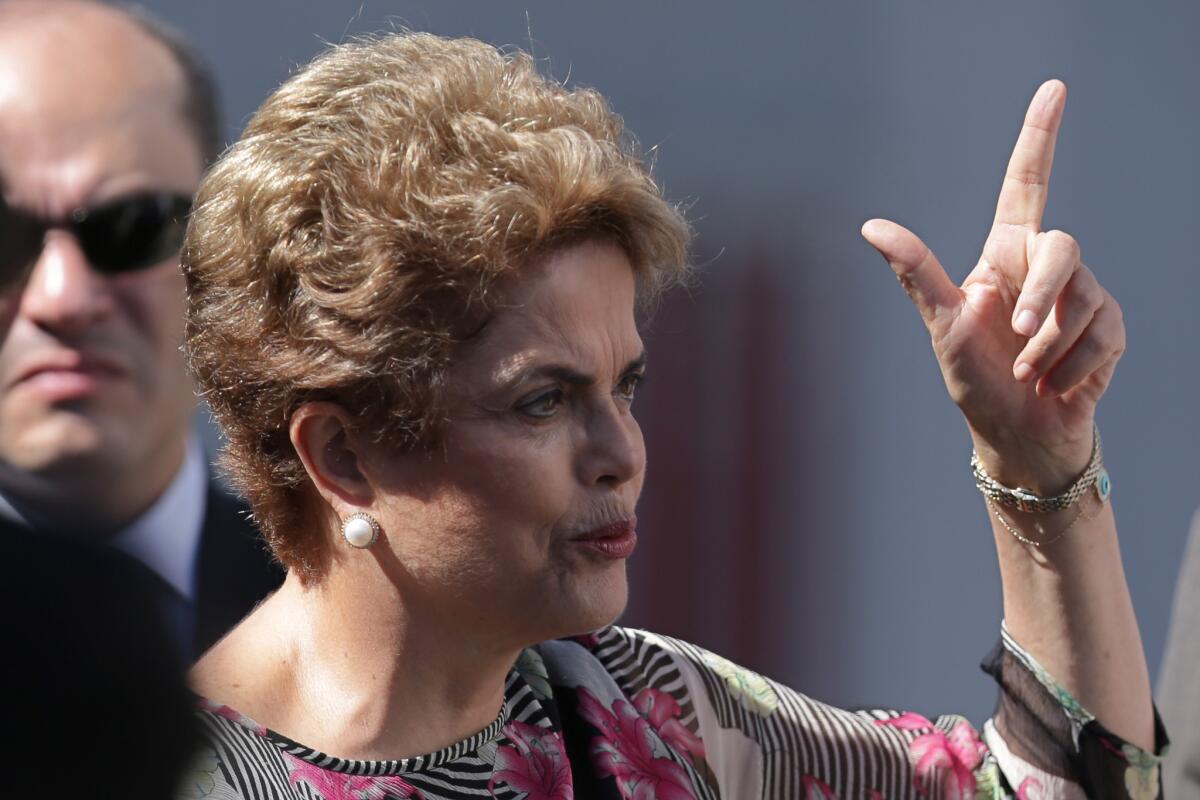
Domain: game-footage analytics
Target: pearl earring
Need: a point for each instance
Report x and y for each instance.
(360, 530)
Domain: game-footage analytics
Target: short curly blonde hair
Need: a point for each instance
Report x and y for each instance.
(352, 239)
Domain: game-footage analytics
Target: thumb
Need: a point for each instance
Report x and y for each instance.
(916, 267)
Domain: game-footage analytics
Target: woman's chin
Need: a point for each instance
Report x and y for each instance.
(592, 606)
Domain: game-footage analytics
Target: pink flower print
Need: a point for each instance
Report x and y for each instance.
(589, 640)
(625, 751)
(908, 721)
(663, 712)
(536, 763)
(332, 785)
(817, 789)
(233, 716)
(947, 760)
(1030, 789)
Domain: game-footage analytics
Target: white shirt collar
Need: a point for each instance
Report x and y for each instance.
(166, 538)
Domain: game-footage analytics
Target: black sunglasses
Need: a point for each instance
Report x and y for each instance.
(123, 235)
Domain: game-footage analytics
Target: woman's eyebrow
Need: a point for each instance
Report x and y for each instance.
(570, 376)
(636, 365)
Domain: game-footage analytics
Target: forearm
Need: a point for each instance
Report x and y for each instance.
(1067, 603)
(1027, 346)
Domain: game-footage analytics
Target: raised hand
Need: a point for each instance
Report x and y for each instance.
(1028, 343)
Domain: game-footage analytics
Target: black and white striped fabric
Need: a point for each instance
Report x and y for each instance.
(625, 714)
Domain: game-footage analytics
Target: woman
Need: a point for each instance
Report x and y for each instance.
(412, 290)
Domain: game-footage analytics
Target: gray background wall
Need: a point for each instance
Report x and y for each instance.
(814, 515)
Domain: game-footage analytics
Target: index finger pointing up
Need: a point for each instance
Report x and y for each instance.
(1027, 181)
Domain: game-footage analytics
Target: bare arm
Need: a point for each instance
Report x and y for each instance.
(1027, 346)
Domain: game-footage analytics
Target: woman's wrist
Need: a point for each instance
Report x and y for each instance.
(1043, 469)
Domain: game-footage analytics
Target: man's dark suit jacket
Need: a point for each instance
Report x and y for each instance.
(88, 657)
(234, 570)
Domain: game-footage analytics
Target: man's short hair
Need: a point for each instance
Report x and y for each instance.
(200, 100)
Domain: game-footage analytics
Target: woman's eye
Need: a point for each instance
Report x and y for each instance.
(628, 385)
(542, 406)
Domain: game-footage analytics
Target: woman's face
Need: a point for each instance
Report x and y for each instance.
(519, 527)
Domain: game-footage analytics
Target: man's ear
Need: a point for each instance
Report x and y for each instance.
(324, 439)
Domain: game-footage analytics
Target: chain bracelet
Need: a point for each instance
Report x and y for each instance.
(1012, 529)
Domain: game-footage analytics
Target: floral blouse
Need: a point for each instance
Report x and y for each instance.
(637, 716)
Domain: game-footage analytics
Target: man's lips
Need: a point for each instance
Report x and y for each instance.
(614, 540)
(68, 375)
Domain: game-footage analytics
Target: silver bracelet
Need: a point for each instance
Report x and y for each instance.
(1094, 477)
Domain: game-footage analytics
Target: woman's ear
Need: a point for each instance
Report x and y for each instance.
(321, 433)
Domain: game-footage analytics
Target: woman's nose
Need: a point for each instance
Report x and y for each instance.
(615, 452)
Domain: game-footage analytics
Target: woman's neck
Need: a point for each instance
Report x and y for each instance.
(355, 673)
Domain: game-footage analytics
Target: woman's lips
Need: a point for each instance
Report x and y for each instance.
(616, 540)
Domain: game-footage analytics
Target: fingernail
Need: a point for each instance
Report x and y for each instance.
(1023, 372)
(1027, 323)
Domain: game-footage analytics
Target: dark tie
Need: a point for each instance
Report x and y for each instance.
(177, 614)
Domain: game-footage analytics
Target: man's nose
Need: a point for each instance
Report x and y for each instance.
(64, 293)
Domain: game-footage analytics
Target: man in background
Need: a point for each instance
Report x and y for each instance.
(107, 120)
